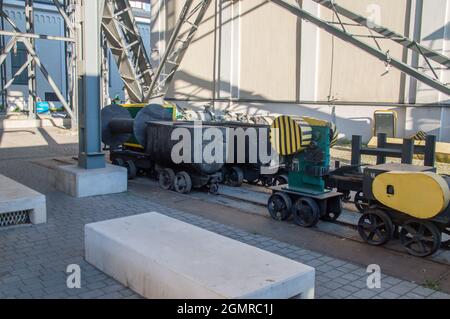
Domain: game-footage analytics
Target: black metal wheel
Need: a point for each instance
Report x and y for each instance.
(118, 162)
(333, 213)
(360, 201)
(235, 176)
(420, 238)
(279, 206)
(375, 227)
(446, 244)
(267, 181)
(280, 180)
(182, 183)
(214, 188)
(251, 181)
(222, 175)
(306, 212)
(345, 195)
(151, 172)
(131, 169)
(166, 178)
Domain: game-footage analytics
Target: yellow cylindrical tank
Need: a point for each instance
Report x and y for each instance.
(422, 195)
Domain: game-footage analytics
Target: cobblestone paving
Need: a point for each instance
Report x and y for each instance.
(33, 259)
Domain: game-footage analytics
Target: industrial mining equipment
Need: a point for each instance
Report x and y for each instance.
(395, 200)
(307, 141)
(139, 138)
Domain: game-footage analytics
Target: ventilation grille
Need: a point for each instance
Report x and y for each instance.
(15, 218)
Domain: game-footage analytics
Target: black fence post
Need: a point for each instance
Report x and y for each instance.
(356, 150)
(430, 151)
(381, 143)
(407, 151)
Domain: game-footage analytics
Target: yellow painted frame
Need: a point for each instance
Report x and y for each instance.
(385, 112)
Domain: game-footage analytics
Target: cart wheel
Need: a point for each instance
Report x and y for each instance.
(151, 172)
(166, 178)
(254, 181)
(360, 201)
(131, 169)
(446, 244)
(345, 195)
(182, 183)
(214, 188)
(222, 175)
(332, 215)
(280, 180)
(306, 212)
(396, 232)
(375, 227)
(118, 162)
(420, 238)
(235, 176)
(279, 206)
(267, 181)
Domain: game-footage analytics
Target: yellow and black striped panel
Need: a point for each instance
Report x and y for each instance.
(290, 135)
(334, 135)
(420, 136)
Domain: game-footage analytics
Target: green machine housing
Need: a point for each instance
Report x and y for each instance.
(307, 141)
(311, 165)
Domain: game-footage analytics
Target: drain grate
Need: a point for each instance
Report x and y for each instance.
(15, 218)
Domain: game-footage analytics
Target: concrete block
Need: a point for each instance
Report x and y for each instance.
(161, 257)
(17, 197)
(78, 182)
(15, 124)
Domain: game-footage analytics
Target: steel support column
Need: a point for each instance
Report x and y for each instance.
(3, 93)
(29, 15)
(90, 154)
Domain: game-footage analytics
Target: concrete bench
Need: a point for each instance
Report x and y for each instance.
(161, 257)
(15, 197)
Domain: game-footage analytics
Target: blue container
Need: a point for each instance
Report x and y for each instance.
(42, 107)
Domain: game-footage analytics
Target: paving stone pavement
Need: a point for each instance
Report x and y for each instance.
(33, 259)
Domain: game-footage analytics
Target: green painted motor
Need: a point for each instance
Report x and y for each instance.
(307, 141)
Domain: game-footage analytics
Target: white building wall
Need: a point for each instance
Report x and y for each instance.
(268, 62)
(255, 57)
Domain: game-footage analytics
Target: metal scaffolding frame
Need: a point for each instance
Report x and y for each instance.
(384, 33)
(33, 61)
(124, 40)
(3, 94)
(192, 15)
(189, 21)
(142, 82)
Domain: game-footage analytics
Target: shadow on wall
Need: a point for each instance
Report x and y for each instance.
(350, 119)
(439, 34)
(350, 122)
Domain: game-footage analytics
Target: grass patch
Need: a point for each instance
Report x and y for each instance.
(433, 285)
